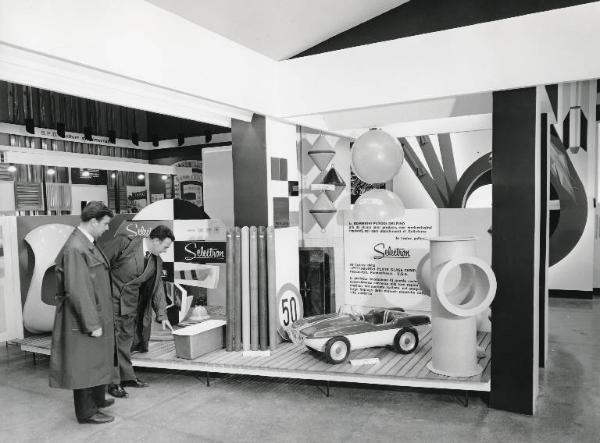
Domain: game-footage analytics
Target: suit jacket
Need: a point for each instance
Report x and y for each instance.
(127, 263)
(84, 304)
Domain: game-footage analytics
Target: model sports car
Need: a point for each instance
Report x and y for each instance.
(337, 334)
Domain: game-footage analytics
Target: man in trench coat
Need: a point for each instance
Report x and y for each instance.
(137, 289)
(83, 343)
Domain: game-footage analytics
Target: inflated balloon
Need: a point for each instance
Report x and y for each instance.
(376, 156)
(378, 205)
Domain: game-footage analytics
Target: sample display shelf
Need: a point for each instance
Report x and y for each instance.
(296, 361)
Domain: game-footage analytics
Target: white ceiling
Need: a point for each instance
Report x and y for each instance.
(278, 29)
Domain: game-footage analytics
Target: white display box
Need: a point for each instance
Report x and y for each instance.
(196, 340)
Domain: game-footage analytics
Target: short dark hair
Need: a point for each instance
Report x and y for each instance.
(97, 210)
(162, 232)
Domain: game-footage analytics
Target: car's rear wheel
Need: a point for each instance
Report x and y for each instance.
(406, 340)
(337, 350)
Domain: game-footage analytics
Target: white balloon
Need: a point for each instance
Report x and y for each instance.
(378, 205)
(376, 156)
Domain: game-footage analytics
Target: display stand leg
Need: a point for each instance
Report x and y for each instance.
(465, 401)
(207, 380)
(326, 388)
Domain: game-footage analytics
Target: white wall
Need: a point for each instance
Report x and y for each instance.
(158, 54)
(576, 271)
(10, 283)
(281, 142)
(217, 174)
(333, 234)
(542, 48)
(138, 40)
(87, 193)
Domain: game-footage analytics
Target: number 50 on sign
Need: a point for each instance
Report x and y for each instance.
(289, 307)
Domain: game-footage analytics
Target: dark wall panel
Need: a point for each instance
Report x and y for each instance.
(544, 221)
(425, 16)
(249, 152)
(513, 250)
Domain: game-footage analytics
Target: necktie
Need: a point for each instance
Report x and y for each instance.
(146, 258)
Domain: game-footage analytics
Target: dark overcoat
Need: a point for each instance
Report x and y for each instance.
(127, 263)
(84, 304)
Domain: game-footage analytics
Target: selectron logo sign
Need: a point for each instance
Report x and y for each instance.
(200, 252)
(383, 251)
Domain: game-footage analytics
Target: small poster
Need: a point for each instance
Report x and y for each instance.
(137, 198)
(382, 259)
(88, 176)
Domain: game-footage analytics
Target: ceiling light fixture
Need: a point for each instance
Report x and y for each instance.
(164, 177)
(141, 176)
(11, 168)
(85, 173)
(51, 171)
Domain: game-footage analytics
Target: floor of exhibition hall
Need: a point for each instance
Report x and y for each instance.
(178, 406)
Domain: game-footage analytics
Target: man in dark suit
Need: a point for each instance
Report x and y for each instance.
(83, 342)
(137, 288)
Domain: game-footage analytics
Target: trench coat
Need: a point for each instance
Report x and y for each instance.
(126, 260)
(84, 304)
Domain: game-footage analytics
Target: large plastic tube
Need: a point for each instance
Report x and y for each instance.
(253, 288)
(462, 286)
(246, 288)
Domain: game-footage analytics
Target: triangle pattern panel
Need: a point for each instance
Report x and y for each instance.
(333, 178)
(323, 211)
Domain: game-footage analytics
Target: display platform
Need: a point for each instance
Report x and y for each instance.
(295, 361)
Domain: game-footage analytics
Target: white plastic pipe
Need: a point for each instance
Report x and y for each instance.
(462, 286)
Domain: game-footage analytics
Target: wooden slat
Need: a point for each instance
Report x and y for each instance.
(295, 361)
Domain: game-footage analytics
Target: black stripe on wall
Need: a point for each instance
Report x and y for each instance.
(568, 293)
(544, 219)
(424, 16)
(249, 153)
(513, 250)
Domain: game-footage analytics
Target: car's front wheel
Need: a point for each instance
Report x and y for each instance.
(337, 350)
(406, 340)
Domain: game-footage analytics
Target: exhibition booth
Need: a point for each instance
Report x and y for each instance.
(336, 245)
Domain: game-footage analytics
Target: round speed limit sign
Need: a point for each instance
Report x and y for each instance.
(289, 306)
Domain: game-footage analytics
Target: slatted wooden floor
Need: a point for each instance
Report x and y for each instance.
(295, 361)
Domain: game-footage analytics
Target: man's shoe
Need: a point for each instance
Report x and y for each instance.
(117, 391)
(107, 403)
(97, 419)
(137, 383)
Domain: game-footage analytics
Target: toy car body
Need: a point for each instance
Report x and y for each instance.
(337, 334)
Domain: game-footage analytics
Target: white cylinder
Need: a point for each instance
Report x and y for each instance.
(462, 286)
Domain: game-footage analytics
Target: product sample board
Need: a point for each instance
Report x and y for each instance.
(295, 361)
(252, 308)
